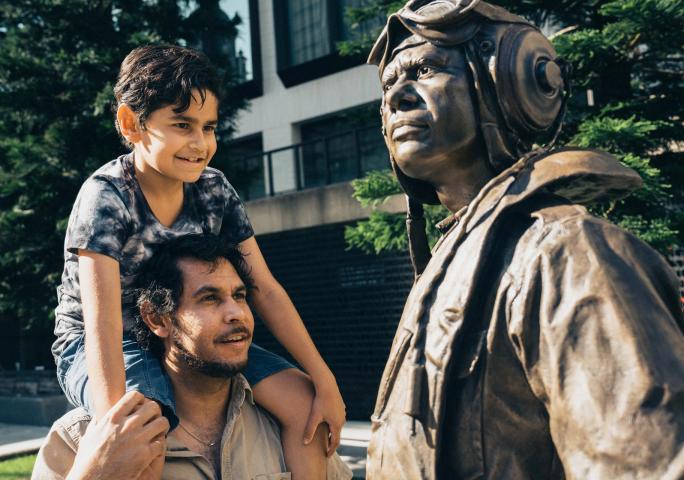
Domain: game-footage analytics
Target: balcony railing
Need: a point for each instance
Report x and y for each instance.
(323, 161)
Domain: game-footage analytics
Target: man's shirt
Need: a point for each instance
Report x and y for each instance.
(251, 446)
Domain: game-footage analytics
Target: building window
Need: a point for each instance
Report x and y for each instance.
(307, 32)
(342, 146)
(243, 164)
(228, 32)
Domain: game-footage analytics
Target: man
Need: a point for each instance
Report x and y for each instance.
(537, 341)
(193, 314)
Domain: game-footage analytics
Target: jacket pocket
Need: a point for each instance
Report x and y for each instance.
(274, 476)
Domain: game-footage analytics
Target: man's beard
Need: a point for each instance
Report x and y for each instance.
(206, 367)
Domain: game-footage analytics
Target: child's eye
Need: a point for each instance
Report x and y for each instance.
(210, 128)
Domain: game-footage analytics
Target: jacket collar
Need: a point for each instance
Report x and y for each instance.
(581, 176)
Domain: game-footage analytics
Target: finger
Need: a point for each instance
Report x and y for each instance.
(158, 426)
(311, 426)
(125, 405)
(148, 411)
(334, 440)
(157, 446)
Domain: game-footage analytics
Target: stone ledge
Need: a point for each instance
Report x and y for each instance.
(43, 410)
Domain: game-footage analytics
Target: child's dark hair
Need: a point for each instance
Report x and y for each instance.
(155, 76)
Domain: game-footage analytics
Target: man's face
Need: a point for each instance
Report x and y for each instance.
(179, 146)
(427, 111)
(213, 323)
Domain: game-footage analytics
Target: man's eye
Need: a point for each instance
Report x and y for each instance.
(182, 126)
(210, 128)
(209, 298)
(240, 296)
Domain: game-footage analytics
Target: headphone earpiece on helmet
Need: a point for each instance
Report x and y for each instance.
(528, 77)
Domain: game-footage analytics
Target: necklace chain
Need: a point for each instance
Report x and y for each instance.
(204, 442)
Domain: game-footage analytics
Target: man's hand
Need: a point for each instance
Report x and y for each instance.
(127, 443)
(327, 407)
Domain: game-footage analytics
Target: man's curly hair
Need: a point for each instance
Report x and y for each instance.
(159, 286)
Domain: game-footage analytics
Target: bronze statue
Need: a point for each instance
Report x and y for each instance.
(538, 341)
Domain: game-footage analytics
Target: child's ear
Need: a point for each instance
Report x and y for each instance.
(128, 123)
(160, 325)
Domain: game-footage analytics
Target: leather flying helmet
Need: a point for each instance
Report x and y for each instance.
(519, 86)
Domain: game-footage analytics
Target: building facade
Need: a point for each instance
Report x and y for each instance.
(313, 125)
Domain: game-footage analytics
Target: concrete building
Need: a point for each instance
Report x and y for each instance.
(312, 125)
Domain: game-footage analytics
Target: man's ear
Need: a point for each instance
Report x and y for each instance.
(128, 123)
(160, 325)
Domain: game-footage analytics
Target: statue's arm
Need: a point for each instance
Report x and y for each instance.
(600, 320)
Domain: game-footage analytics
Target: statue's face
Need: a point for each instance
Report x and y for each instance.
(427, 111)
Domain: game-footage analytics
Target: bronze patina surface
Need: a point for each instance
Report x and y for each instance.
(538, 341)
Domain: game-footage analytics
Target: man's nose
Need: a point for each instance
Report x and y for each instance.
(402, 95)
(234, 311)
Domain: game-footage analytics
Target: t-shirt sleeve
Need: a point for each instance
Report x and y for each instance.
(99, 220)
(235, 226)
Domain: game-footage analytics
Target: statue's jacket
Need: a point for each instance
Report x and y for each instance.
(540, 341)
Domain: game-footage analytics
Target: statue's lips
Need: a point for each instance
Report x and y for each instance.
(406, 129)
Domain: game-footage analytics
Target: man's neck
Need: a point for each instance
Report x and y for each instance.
(201, 401)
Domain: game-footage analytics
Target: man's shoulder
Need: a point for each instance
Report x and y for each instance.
(56, 454)
(72, 426)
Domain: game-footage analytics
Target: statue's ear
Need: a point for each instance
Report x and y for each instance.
(158, 324)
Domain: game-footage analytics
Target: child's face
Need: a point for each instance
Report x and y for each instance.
(179, 145)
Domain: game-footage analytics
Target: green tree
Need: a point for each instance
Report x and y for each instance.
(629, 54)
(58, 62)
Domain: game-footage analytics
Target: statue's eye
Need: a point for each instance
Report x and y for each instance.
(424, 70)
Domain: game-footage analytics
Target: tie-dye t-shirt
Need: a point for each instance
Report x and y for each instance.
(112, 217)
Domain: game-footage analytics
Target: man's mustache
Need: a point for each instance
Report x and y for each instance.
(241, 329)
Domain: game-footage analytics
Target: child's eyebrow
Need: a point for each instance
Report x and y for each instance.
(185, 118)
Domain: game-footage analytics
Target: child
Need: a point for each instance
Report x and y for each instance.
(167, 109)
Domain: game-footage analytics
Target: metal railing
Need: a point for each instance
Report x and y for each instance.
(315, 163)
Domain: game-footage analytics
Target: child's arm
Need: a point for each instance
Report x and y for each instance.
(101, 300)
(280, 316)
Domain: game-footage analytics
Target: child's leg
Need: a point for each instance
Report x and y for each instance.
(143, 373)
(288, 394)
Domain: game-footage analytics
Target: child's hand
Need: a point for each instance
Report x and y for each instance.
(327, 407)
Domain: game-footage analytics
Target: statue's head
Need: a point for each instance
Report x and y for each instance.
(464, 81)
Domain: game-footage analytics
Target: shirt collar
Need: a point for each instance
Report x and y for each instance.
(240, 391)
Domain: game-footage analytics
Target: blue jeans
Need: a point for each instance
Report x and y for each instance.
(145, 374)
